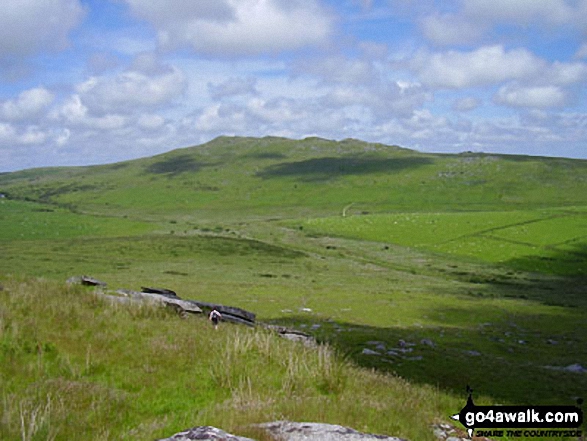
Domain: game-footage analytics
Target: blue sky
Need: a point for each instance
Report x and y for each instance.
(87, 82)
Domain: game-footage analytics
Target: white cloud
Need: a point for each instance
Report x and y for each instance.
(63, 137)
(447, 29)
(127, 91)
(29, 103)
(582, 51)
(7, 132)
(566, 73)
(75, 112)
(28, 26)
(522, 12)
(515, 95)
(30, 135)
(382, 99)
(484, 66)
(338, 69)
(233, 87)
(466, 104)
(475, 18)
(150, 122)
(236, 27)
(364, 83)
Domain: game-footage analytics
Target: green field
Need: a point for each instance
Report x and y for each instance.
(478, 260)
(518, 239)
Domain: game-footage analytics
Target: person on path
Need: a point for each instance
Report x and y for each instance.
(215, 317)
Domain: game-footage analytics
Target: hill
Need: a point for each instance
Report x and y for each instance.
(239, 178)
(476, 262)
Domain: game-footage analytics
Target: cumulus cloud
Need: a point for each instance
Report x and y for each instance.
(233, 87)
(28, 104)
(515, 95)
(448, 29)
(582, 51)
(126, 91)
(150, 121)
(74, 112)
(491, 65)
(338, 69)
(523, 12)
(28, 26)
(484, 66)
(475, 18)
(29, 135)
(466, 104)
(236, 27)
(363, 84)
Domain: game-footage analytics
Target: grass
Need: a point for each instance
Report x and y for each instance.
(495, 237)
(483, 256)
(23, 221)
(75, 367)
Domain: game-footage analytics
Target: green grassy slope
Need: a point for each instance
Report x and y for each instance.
(243, 178)
(483, 255)
(73, 366)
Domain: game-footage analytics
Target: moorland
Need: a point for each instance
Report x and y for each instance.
(419, 273)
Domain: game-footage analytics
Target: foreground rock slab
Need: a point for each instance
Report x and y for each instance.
(229, 313)
(205, 433)
(161, 291)
(289, 431)
(176, 302)
(85, 280)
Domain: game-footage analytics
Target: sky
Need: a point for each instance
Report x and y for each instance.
(97, 81)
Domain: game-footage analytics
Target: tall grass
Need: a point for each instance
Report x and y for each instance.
(76, 367)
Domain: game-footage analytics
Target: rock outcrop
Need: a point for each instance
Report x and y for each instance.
(229, 313)
(85, 280)
(289, 431)
(284, 431)
(161, 291)
(205, 433)
(164, 299)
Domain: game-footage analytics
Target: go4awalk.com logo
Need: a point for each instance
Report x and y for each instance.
(527, 421)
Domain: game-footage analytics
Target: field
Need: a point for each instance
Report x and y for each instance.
(549, 241)
(476, 261)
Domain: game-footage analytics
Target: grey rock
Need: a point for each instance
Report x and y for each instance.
(161, 291)
(229, 312)
(427, 342)
(576, 368)
(158, 299)
(288, 431)
(374, 342)
(292, 334)
(369, 352)
(85, 280)
(205, 433)
(473, 353)
(439, 433)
